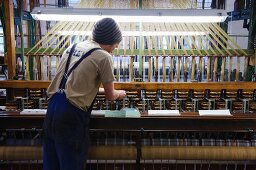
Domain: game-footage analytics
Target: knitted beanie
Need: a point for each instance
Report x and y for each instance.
(106, 31)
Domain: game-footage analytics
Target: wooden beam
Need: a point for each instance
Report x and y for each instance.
(187, 121)
(10, 38)
(142, 85)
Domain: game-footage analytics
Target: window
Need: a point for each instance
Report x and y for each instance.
(207, 4)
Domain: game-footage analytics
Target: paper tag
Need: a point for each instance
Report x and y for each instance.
(33, 112)
(98, 112)
(2, 107)
(214, 112)
(163, 113)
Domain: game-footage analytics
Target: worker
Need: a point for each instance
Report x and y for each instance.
(83, 68)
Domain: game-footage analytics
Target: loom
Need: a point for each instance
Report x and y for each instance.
(172, 73)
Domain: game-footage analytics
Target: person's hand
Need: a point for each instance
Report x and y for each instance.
(121, 94)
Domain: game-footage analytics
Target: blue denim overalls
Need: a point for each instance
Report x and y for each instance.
(66, 131)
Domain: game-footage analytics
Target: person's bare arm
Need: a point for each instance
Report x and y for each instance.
(111, 93)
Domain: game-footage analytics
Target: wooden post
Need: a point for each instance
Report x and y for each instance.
(10, 38)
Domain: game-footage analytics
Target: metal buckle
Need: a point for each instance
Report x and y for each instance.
(61, 91)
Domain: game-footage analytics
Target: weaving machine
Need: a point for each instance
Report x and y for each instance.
(184, 141)
(168, 78)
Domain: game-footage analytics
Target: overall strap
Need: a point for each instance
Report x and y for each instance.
(62, 84)
(66, 75)
(81, 59)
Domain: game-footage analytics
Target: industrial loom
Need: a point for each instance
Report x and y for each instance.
(191, 96)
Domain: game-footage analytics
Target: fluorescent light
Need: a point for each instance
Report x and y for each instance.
(137, 33)
(129, 15)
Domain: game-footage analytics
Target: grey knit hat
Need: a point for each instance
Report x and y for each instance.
(106, 31)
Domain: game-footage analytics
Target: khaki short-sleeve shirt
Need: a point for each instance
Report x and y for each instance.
(84, 82)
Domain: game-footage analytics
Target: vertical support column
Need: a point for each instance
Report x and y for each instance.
(252, 26)
(25, 8)
(138, 148)
(140, 46)
(10, 38)
(21, 7)
(203, 4)
(193, 68)
(252, 36)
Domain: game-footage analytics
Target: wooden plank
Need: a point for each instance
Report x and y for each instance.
(180, 27)
(187, 86)
(132, 41)
(149, 43)
(126, 42)
(174, 45)
(178, 69)
(208, 68)
(49, 70)
(200, 68)
(173, 26)
(187, 121)
(193, 68)
(67, 41)
(164, 68)
(223, 68)
(215, 68)
(224, 39)
(10, 38)
(186, 66)
(35, 84)
(149, 68)
(171, 69)
(228, 37)
(45, 39)
(204, 37)
(59, 38)
(215, 44)
(27, 75)
(230, 68)
(163, 27)
(42, 67)
(198, 40)
(154, 43)
(238, 67)
(246, 61)
(217, 38)
(172, 51)
(156, 67)
(131, 68)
